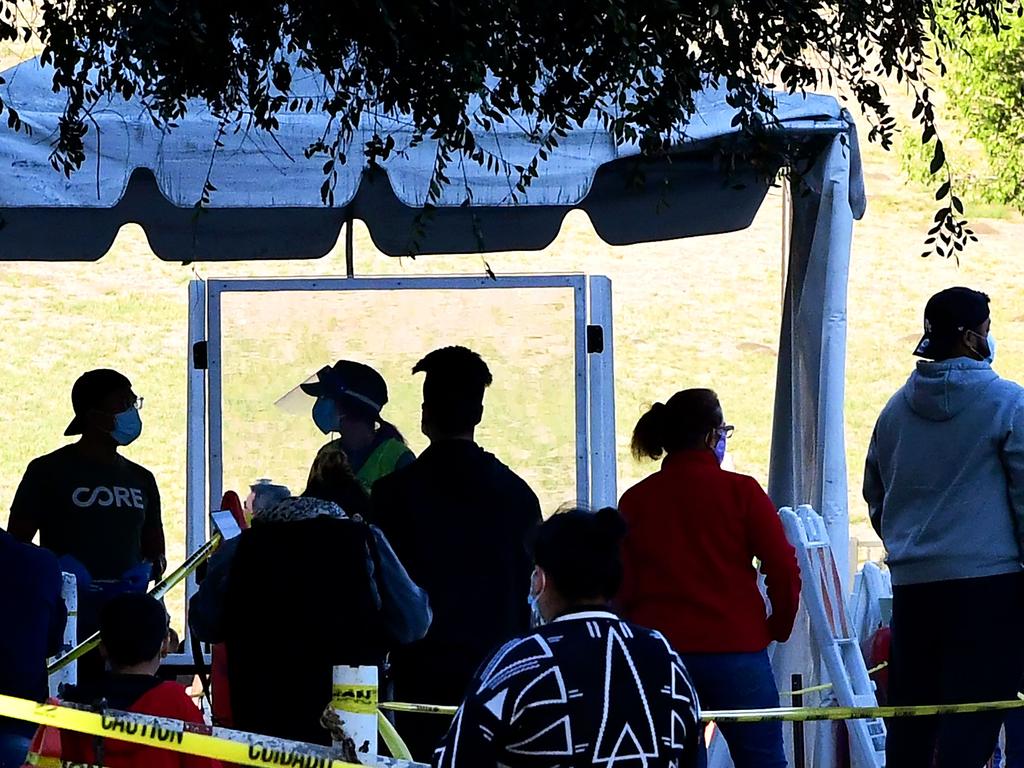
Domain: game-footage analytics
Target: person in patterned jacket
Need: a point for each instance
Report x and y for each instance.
(585, 688)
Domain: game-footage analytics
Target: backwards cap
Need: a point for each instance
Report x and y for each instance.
(90, 391)
(947, 315)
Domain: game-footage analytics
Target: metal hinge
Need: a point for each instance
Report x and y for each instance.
(595, 339)
(200, 360)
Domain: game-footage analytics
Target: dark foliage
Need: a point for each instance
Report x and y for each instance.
(455, 67)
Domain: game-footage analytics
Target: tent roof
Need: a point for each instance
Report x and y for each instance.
(268, 205)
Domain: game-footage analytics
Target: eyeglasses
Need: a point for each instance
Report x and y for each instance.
(137, 405)
(726, 430)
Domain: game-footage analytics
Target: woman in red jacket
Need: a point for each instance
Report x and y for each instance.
(694, 531)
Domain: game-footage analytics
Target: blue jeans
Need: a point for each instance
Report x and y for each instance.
(741, 681)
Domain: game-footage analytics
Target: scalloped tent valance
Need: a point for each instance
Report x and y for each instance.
(268, 204)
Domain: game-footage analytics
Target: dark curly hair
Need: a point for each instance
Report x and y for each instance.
(331, 479)
(579, 551)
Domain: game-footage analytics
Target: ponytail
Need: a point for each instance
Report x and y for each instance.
(388, 431)
(610, 526)
(649, 433)
(681, 423)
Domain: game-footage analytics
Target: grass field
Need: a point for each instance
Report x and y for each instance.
(704, 311)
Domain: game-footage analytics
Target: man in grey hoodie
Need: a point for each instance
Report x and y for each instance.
(944, 483)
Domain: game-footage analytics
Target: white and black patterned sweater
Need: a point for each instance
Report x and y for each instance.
(586, 690)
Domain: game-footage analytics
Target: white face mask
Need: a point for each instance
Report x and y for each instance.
(991, 348)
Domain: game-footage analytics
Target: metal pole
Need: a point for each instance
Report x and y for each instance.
(350, 256)
(787, 228)
(799, 755)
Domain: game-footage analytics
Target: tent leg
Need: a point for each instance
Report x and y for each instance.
(350, 256)
(787, 231)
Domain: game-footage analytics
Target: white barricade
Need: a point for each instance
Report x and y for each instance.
(824, 648)
(354, 699)
(833, 638)
(872, 596)
(67, 675)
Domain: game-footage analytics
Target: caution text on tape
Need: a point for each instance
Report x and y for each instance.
(164, 733)
(357, 699)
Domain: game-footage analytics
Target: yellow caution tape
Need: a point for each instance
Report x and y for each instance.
(41, 761)
(396, 746)
(251, 749)
(852, 713)
(783, 713)
(426, 709)
(828, 686)
(168, 583)
(358, 699)
(174, 735)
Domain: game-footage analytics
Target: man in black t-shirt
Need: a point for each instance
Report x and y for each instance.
(96, 510)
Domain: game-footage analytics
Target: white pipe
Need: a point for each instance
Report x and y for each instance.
(67, 675)
(354, 700)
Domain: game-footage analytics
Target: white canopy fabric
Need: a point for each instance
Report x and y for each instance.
(268, 205)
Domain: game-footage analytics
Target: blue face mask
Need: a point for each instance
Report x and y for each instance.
(325, 415)
(536, 617)
(127, 427)
(533, 600)
(720, 448)
(991, 348)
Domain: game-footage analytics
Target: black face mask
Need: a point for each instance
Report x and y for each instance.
(981, 348)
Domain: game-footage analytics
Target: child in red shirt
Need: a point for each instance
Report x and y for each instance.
(134, 636)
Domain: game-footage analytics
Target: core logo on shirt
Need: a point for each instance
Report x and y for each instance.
(107, 497)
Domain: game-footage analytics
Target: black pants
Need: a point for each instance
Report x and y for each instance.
(953, 642)
(424, 675)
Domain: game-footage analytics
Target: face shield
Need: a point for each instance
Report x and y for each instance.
(299, 400)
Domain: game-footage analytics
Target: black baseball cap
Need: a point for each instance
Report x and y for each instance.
(947, 315)
(349, 379)
(89, 392)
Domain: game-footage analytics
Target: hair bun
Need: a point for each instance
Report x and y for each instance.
(610, 524)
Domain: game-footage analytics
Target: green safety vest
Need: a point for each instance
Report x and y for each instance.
(381, 462)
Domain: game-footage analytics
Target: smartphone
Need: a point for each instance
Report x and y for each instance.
(225, 524)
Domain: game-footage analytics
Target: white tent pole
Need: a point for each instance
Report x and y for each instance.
(808, 459)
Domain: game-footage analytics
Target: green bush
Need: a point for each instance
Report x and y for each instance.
(985, 98)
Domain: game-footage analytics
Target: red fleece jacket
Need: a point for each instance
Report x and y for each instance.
(165, 700)
(694, 532)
